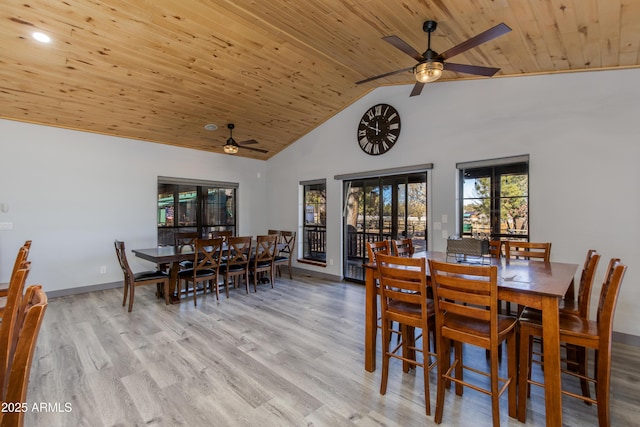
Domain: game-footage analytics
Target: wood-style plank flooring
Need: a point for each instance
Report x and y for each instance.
(288, 356)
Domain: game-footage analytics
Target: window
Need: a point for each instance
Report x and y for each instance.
(315, 221)
(494, 200)
(185, 205)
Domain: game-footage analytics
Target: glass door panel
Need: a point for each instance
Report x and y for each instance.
(382, 209)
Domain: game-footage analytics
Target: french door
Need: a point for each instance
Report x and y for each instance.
(389, 207)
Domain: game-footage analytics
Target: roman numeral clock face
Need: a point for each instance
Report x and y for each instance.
(378, 130)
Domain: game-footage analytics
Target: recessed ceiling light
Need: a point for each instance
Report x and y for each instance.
(41, 37)
(210, 126)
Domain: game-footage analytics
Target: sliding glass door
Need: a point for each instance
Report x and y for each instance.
(382, 208)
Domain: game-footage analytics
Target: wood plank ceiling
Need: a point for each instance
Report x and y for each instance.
(160, 70)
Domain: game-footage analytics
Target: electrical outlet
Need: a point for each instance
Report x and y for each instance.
(330, 261)
(103, 269)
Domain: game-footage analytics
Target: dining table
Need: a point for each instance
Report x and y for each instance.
(172, 256)
(535, 284)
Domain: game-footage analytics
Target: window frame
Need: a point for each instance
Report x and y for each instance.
(314, 233)
(202, 211)
(494, 169)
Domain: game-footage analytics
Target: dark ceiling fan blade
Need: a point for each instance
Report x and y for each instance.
(250, 141)
(384, 75)
(417, 89)
(484, 37)
(471, 69)
(403, 46)
(259, 150)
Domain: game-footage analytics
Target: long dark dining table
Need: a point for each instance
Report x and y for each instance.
(168, 255)
(172, 256)
(530, 283)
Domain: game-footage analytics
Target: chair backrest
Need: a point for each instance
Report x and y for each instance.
(382, 246)
(586, 282)
(470, 291)
(207, 253)
(238, 250)
(609, 298)
(403, 247)
(265, 249)
(288, 241)
(185, 238)
(34, 306)
(122, 259)
(403, 280)
(273, 231)
(527, 250)
(21, 257)
(9, 327)
(495, 248)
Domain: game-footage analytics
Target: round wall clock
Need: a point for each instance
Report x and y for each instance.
(378, 130)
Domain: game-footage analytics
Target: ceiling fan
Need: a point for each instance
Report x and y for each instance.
(431, 64)
(232, 147)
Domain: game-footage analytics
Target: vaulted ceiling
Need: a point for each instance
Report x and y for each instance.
(160, 70)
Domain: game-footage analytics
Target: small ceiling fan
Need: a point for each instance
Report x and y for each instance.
(431, 64)
(232, 147)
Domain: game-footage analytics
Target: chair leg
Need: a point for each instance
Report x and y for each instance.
(495, 399)
(425, 370)
(444, 358)
(385, 357)
(582, 363)
(125, 291)
(512, 369)
(195, 293)
(132, 289)
(603, 378)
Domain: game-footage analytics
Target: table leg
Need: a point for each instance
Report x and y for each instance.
(174, 288)
(370, 327)
(552, 381)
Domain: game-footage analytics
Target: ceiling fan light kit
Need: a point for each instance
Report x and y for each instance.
(229, 148)
(431, 64)
(427, 72)
(232, 147)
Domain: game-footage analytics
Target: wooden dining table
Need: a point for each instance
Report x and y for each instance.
(534, 284)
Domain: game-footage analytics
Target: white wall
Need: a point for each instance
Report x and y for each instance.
(579, 129)
(74, 193)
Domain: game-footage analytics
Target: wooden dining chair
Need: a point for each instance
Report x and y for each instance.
(132, 280)
(382, 246)
(286, 251)
(466, 307)
(535, 251)
(206, 268)
(182, 240)
(33, 307)
(581, 307)
(403, 247)
(236, 261)
(403, 299)
(20, 260)
(10, 324)
(527, 250)
(495, 248)
(263, 259)
(579, 332)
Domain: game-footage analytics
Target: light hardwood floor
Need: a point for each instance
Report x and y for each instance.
(289, 356)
